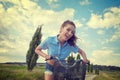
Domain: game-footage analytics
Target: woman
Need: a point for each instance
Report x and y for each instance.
(60, 46)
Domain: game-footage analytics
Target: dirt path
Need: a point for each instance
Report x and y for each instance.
(89, 77)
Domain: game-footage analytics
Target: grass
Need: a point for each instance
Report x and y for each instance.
(17, 72)
(108, 75)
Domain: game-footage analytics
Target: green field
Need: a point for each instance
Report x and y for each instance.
(108, 75)
(19, 72)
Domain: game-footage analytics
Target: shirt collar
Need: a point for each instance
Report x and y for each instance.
(57, 41)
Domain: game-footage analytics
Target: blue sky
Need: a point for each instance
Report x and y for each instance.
(97, 21)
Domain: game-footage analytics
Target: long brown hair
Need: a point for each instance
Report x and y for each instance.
(72, 40)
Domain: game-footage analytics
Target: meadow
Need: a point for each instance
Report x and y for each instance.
(20, 72)
(108, 75)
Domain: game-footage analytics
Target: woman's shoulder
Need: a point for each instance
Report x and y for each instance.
(51, 38)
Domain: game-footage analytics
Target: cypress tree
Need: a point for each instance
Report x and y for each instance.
(78, 57)
(97, 71)
(71, 59)
(88, 68)
(31, 56)
(91, 68)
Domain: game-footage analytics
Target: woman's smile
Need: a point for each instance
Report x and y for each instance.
(67, 36)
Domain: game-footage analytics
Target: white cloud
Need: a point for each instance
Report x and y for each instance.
(105, 57)
(101, 32)
(4, 59)
(53, 3)
(95, 21)
(83, 19)
(116, 35)
(3, 50)
(85, 2)
(1, 8)
(78, 23)
(9, 59)
(110, 18)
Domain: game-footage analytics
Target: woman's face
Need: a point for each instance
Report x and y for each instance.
(67, 32)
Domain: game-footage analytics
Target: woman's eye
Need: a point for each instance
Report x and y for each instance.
(68, 29)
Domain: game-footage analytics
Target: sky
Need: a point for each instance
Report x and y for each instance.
(97, 27)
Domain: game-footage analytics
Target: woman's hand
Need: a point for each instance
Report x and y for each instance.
(49, 60)
(47, 57)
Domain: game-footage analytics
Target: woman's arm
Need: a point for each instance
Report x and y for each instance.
(39, 51)
(83, 54)
(47, 57)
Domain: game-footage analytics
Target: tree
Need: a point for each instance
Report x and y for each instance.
(78, 57)
(91, 68)
(88, 68)
(31, 56)
(97, 71)
(71, 59)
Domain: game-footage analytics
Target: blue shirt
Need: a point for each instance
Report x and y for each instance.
(55, 49)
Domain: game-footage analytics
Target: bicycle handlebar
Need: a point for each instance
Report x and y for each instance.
(66, 65)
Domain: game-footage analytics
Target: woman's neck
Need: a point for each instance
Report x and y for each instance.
(61, 41)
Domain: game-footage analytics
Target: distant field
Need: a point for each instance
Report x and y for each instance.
(17, 72)
(108, 75)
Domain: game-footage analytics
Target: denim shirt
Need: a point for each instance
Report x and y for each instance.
(55, 49)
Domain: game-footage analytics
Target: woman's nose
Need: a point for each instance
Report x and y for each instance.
(70, 33)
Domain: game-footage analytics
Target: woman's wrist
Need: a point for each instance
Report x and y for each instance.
(45, 56)
(86, 60)
(48, 57)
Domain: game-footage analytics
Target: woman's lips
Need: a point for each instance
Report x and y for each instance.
(67, 37)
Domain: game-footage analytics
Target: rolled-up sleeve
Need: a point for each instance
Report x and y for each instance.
(44, 44)
(75, 49)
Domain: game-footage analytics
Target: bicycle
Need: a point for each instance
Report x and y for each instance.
(62, 70)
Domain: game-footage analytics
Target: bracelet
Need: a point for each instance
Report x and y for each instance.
(49, 58)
